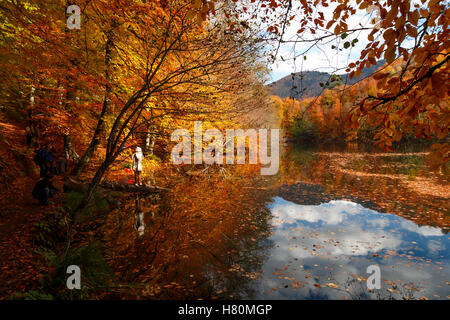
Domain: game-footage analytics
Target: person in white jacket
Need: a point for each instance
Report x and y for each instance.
(137, 165)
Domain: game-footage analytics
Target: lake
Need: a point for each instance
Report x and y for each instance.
(310, 232)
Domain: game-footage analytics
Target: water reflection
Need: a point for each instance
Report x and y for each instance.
(321, 251)
(399, 183)
(205, 240)
(139, 223)
(215, 237)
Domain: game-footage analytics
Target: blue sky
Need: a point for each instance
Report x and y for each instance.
(321, 57)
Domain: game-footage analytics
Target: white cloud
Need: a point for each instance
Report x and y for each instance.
(423, 230)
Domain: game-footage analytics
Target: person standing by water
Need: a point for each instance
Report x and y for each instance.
(137, 165)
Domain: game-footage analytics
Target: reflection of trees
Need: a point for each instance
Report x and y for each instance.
(207, 238)
(356, 289)
(242, 264)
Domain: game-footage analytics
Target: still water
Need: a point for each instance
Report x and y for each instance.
(309, 232)
(323, 251)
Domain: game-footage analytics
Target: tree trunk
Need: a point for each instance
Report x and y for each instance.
(32, 131)
(149, 141)
(149, 146)
(87, 156)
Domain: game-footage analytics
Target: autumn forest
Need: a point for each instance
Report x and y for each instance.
(224, 149)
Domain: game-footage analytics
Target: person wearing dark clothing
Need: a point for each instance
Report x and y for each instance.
(44, 189)
(50, 160)
(45, 158)
(41, 158)
(50, 156)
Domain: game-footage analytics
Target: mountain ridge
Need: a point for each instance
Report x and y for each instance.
(308, 84)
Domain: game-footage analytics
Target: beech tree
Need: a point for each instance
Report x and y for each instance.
(175, 65)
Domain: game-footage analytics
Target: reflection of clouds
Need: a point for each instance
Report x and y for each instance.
(354, 242)
(423, 230)
(381, 223)
(333, 241)
(287, 212)
(434, 246)
(394, 270)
